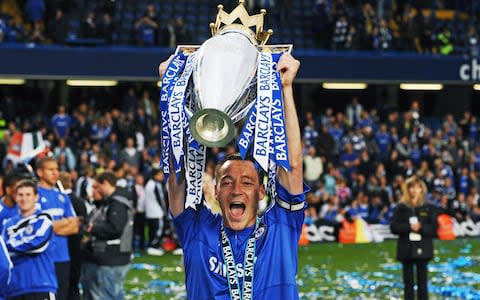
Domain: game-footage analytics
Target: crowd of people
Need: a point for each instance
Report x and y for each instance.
(375, 25)
(357, 162)
(60, 23)
(396, 25)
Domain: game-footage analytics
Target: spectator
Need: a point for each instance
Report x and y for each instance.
(349, 161)
(35, 11)
(182, 33)
(106, 28)
(139, 222)
(112, 147)
(156, 211)
(37, 36)
(404, 148)
(58, 27)
(149, 107)
(340, 33)
(3, 30)
(444, 38)
(61, 123)
(130, 154)
(84, 185)
(313, 168)
(310, 133)
(64, 150)
(89, 26)
(353, 112)
(147, 27)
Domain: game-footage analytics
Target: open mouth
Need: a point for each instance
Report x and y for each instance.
(237, 209)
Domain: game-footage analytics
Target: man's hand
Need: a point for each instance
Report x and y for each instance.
(163, 66)
(288, 67)
(67, 226)
(416, 227)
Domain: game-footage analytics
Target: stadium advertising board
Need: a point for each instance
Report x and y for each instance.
(358, 231)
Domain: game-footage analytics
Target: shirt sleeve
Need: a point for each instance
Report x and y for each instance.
(187, 223)
(69, 211)
(112, 227)
(279, 214)
(30, 236)
(5, 266)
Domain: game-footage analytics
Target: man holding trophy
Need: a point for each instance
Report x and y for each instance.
(239, 254)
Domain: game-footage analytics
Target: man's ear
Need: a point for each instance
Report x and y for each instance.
(262, 191)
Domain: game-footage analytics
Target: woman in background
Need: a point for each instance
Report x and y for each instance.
(415, 222)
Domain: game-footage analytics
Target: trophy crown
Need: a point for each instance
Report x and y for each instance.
(259, 37)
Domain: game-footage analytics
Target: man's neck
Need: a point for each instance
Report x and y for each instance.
(45, 185)
(110, 193)
(28, 213)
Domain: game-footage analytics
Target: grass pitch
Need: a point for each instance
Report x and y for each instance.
(334, 271)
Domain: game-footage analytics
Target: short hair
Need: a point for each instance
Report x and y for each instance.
(155, 171)
(26, 183)
(237, 156)
(108, 177)
(10, 179)
(43, 161)
(66, 179)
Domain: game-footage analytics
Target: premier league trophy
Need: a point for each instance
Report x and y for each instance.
(207, 89)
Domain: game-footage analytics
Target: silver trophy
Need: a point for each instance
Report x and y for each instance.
(224, 75)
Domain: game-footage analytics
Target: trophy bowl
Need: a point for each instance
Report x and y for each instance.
(222, 78)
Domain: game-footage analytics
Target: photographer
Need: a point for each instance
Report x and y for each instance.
(110, 243)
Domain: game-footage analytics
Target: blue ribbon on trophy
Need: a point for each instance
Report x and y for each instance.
(176, 112)
(207, 89)
(174, 68)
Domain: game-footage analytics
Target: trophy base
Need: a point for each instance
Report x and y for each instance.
(212, 127)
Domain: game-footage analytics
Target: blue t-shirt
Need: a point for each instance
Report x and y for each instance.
(5, 268)
(61, 123)
(59, 206)
(276, 251)
(6, 213)
(27, 239)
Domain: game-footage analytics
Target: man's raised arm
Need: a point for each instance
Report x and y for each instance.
(292, 180)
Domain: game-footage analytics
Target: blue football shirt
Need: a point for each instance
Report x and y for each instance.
(6, 213)
(276, 251)
(58, 206)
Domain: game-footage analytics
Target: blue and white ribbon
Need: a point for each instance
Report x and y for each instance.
(261, 145)
(265, 126)
(246, 136)
(170, 77)
(280, 148)
(194, 168)
(176, 112)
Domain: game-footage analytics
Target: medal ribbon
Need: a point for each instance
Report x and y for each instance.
(249, 261)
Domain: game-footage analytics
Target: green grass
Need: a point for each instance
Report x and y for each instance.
(334, 271)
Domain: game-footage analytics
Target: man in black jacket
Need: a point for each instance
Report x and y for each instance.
(110, 246)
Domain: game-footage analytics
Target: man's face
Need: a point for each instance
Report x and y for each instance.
(103, 188)
(96, 191)
(49, 173)
(238, 192)
(26, 198)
